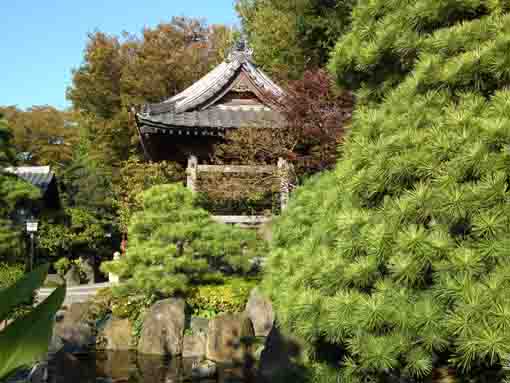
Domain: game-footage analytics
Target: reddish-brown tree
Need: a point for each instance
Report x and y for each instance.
(315, 114)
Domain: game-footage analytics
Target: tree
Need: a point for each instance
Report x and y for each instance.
(136, 177)
(121, 72)
(315, 116)
(42, 135)
(396, 263)
(291, 36)
(12, 192)
(174, 245)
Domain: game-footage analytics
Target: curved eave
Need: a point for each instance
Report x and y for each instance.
(209, 86)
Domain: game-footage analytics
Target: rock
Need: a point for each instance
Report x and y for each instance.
(72, 277)
(163, 329)
(87, 268)
(260, 311)
(76, 312)
(204, 369)
(278, 358)
(194, 345)
(74, 330)
(199, 324)
(226, 339)
(117, 335)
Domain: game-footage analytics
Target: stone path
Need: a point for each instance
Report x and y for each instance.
(77, 294)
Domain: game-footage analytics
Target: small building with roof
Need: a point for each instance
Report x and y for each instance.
(43, 178)
(234, 94)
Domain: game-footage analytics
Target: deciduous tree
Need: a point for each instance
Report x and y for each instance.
(291, 36)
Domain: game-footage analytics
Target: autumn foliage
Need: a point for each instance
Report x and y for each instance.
(315, 114)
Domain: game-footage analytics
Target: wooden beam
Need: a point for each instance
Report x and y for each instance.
(236, 169)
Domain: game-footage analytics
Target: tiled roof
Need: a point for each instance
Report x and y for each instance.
(183, 109)
(218, 117)
(40, 176)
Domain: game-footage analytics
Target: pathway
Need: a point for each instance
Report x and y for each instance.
(77, 294)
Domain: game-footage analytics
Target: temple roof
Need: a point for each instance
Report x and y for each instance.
(202, 105)
(39, 176)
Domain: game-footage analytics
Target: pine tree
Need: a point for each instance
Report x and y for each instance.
(398, 261)
(174, 245)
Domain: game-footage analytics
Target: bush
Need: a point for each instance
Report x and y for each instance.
(230, 297)
(397, 263)
(10, 273)
(106, 304)
(174, 245)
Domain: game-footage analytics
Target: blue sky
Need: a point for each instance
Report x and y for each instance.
(41, 41)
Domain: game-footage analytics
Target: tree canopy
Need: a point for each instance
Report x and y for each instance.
(173, 245)
(118, 73)
(396, 263)
(12, 192)
(42, 135)
(291, 36)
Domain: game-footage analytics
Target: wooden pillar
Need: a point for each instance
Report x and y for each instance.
(284, 174)
(191, 171)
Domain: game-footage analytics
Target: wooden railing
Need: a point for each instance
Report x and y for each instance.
(282, 170)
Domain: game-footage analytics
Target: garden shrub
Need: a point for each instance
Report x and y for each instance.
(175, 245)
(229, 297)
(106, 304)
(397, 263)
(10, 273)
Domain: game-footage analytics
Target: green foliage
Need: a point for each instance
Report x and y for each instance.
(27, 338)
(62, 266)
(137, 176)
(42, 135)
(105, 303)
(7, 152)
(83, 231)
(174, 245)
(13, 192)
(230, 297)
(10, 273)
(397, 262)
(290, 36)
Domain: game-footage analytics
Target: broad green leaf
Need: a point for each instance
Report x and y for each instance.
(27, 338)
(22, 291)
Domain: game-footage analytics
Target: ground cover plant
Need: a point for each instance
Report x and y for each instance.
(396, 263)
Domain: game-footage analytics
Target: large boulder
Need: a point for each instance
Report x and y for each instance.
(196, 369)
(260, 311)
(163, 329)
(117, 335)
(198, 324)
(73, 330)
(194, 345)
(227, 339)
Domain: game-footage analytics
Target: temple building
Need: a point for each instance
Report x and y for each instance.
(235, 94)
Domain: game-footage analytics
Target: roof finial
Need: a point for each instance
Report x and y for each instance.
(240, 50)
